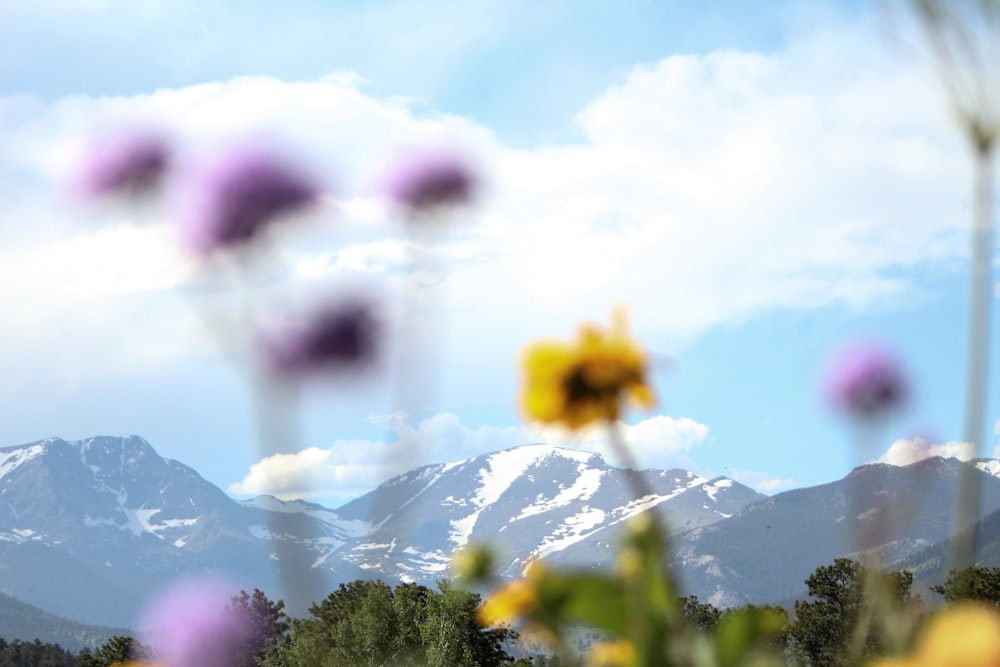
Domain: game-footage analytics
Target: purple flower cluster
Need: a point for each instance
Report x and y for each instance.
(227, 203)
(189, 624)
(341, 336)
(430, 181)
(240, 194)
(128, 163)
(865, 381)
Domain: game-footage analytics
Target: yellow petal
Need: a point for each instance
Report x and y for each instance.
(611, 654)
(642, 396)
(543, 403)
(964, 635)
(508, 603)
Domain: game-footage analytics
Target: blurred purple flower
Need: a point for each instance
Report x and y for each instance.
(865, 380)
(236, 197)
(338, 337)
(429, 181)
(128, 163)
(189, 625)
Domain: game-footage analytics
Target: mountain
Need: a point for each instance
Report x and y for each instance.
(766, 552)
(530, 501)
(90, 528)
(19, 620)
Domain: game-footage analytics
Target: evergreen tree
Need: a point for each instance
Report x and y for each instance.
(701, 614)
(971, 583)
(118, 649)
(266, 624)
(823, 626)
(34, 654)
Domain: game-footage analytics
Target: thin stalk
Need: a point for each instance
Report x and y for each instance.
(978, 352)
(642, 489)
(866, 534)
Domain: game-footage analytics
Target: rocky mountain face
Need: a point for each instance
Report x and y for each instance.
(529, 502)
(766, 552)
(90, 528)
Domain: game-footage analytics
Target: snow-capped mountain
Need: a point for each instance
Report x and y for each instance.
(89, 528)
(530, 501)
(766, 552)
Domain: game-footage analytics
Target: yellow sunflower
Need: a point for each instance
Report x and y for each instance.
(964, 635)
(585, 380)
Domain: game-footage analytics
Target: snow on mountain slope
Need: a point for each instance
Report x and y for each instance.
(113, 520)
(11, 459)
(530, 501)
(991, 466)
(503, 468)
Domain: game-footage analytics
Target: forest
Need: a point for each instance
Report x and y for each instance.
(373, 624)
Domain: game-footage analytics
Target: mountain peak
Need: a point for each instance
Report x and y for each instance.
(105, 452)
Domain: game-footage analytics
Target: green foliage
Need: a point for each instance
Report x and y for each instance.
(822, 627)
(750, 635)
(452, 637)
(971, 583)
(700, 614)
(266, 622)
(367, 623)
(118, 649)
(34, 654)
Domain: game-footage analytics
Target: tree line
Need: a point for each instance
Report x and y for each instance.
(371, 624)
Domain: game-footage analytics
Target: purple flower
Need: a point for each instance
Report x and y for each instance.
(430, 181)
(128, 163)
(339, 337)
(244, 191)
(865, 381)
(189, 625)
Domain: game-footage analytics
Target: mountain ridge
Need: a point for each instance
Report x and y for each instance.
(106, 518)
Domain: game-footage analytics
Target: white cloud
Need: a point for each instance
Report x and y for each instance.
(703, 189)
(706, 188)
(656, 442)
(348, 468)
(904, 452)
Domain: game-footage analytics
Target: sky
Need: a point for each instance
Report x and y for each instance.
(756, 185)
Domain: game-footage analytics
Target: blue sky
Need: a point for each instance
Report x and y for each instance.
(756, 185)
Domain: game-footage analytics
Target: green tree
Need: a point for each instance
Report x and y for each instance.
(118, 649)
(34, 654)
(971, 583)
(452, 636)
(823, 626)
(357, 624)
(370, 624)
(265, 622)
(701, 614)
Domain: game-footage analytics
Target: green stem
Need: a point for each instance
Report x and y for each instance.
(978, 348)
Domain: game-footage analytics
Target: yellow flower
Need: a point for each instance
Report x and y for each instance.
(964, 635)
(611, 654)
(583, 381)
(508, 603)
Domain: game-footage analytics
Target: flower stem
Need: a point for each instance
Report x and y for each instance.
(978, 348)
(642, 489)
